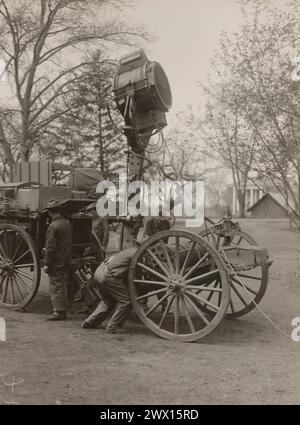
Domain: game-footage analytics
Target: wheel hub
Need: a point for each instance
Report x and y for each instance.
(7, 267)
(176, 284)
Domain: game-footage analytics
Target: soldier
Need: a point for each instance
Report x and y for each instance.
(100, 226)
(58, 259)
(111, 280)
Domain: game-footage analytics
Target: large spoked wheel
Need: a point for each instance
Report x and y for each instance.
(20, 270)
(173, 276)
(247, 286)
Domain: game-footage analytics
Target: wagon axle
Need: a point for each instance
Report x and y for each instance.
(176, 285)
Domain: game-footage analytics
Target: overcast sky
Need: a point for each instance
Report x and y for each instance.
(187, 34)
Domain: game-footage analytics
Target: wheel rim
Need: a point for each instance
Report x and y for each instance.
(177, 283)
(19, 267)
(247, 287)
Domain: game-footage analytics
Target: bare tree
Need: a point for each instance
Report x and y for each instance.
(90, 134)
(227, 136)
(180, 155)
(254, 71)
(35, 37)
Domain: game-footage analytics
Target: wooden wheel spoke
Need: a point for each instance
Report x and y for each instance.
(24, 274)
(143, 266)
(197, 310)
(20, 266)
(21, 241)
(211, 294)
(166, 312)
(168, 258)
(22, 282)
(243, 285)
(203, 301)
(187, 258)
(177, 254)
(176, 319)
(151, 282)
(21, 295)
(150, 294)
(187, 315)
(11, 290)
(239, 295)
(203, 276)
(158, 262)
(21, 256)
(153, 308)
(248, 276)
(206, 285)
(196, 265)
(2, 252)
(204, 288)
(2, 279)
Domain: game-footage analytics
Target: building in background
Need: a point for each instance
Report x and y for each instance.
(270, 205)
(252, 195)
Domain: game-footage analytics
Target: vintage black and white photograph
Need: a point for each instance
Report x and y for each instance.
(149, 204)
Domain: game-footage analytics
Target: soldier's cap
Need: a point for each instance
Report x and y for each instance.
(53, 203)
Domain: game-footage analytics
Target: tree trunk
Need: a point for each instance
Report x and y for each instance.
(241, 200)
(100, 138)
(8, 157)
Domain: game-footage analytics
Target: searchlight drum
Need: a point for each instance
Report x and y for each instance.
(142, 94)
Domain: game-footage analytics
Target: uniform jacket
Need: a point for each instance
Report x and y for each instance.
(58, 243)
(117, 265)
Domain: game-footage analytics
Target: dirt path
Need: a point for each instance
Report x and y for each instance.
(243, 361)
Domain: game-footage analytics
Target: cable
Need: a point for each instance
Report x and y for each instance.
(160, 143)
(112, 121)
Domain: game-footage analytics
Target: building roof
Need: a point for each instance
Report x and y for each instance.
(276, 197)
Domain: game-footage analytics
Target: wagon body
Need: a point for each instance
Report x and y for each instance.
(23, 230)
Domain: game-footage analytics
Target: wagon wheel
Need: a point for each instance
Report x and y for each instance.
(84, 268)
(245, 295)
(20, 270)
(169, 276)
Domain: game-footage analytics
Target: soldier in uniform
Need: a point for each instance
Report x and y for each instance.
(100, 227)
(58, 257)
(111, 280)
